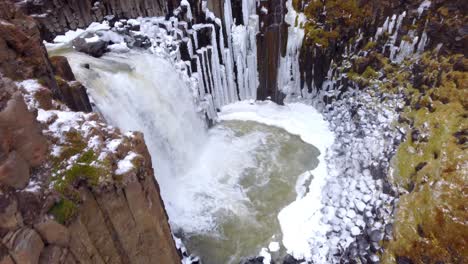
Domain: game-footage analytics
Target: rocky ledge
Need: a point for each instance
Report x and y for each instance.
(72, 188)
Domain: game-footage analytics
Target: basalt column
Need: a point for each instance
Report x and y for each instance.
(273, 39)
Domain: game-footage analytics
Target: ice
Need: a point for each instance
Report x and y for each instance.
(186, 4)
(289, 74)
(423, 6)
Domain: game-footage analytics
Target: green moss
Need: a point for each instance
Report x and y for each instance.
(430, 165)
(63, 211)
(86, 167)
(87, 157)
(370, 45)
(319, 36)
(75, 145)
(407, 39)
(328, 20)
(370, 73)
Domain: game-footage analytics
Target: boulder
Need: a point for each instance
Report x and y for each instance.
(53, 233)
(94, 48)
(26, 246)
(141, 41)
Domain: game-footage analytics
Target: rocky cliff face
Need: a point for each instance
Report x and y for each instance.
(72, 188)
(56, 17)
(269, 32)
(413, 50)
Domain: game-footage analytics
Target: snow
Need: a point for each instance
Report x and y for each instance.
(92, 39)
(114, 144)
(266, 256)
(274, 246)
(119, 47)
(69, 36)
(301, 220)
(133, 22)
(126, 165)
(73, 34)
(33, 186)
(56, 150)
(31, 86)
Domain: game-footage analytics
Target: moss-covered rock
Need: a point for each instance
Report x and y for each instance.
(431, 165)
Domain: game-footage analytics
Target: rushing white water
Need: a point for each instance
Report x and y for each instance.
(140, 91)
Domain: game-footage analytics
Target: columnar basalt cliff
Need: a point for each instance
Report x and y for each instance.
(56, 17)
(389, 76)
(264, 23)
(72, 188)
(415, 50)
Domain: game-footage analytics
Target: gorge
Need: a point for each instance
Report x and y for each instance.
(278, 131)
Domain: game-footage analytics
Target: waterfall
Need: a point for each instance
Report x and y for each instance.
(128, 90)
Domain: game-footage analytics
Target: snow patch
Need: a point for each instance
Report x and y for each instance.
(126, 165)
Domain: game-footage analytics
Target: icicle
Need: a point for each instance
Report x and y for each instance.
(385, 25)
(289, 72)
(186, 4)
(400, 20)
(424, 6)
(422, 43)
(392, 24)
(201, 86)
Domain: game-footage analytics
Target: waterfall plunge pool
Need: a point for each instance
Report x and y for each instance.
(225, 189)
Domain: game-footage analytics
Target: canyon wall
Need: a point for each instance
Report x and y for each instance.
(348, 27)
(414, 50)
(263, 22)
(72, 188)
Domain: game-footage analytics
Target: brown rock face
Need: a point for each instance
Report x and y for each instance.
(22, 55)
(62, 68)
(115, 218)
(53, 233)
(21, 141)
(272, 42)
(73, 93)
